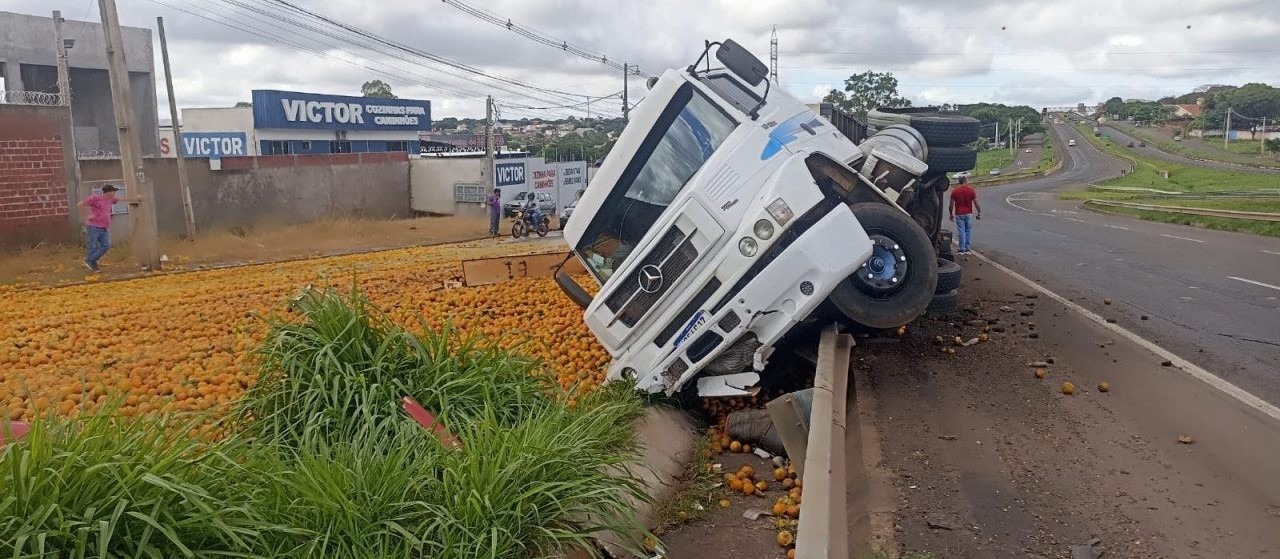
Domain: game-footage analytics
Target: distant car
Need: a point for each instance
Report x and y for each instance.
(1130, 144)
(1071, 143)
(963, 174)
(546, 203)
(994, 172)
(1142, 144)
(1028, 150)
(568, 211)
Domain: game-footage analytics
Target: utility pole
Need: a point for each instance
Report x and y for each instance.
(145, 242)
(1262, 145)
(997, 131)
(773, 55)
(626, 108)
(187, 210)
(64, 89)
(1226, 130)
(490, 183)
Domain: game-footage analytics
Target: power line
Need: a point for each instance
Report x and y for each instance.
(540, 37)
(418, 52)
(289, 35)
(1031, 52)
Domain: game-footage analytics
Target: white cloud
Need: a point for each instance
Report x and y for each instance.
(1016, 51)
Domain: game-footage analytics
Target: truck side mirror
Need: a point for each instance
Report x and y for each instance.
(571, 288)
(740, 61)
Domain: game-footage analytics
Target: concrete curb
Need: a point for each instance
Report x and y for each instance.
(668, 439)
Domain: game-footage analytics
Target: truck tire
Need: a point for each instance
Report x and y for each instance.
(949, 274)
(944, 159)
(938, 128)
(944, 303)
(899, 290)
(945, 250)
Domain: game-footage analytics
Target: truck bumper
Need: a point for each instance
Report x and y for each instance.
(783, 293)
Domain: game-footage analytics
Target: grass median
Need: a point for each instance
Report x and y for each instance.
(1239, 152)
(1191, 186)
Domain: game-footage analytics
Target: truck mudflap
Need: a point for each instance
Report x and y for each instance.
(781, 295)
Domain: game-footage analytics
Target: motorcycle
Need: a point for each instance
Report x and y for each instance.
(526, 221)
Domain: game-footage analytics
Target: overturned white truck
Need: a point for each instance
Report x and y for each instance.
(728, 212)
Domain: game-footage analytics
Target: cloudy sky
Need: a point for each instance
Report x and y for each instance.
(1036, 52)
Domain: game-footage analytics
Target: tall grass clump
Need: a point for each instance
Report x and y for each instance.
(356, 478)
(343, 364)
(106, 486)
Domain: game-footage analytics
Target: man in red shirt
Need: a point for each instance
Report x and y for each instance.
(964, 201)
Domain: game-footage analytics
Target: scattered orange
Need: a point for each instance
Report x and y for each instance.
(785, 538)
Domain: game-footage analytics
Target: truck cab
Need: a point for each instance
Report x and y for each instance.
(726, 213)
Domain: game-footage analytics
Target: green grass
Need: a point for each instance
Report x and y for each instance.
(1270, 229)
(321, 462)
(991, 159)
(1148, 173)
(1238, 152)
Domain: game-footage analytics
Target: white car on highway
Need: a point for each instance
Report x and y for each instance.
(1071, 143)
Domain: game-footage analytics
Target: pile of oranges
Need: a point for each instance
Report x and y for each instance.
(176, 342)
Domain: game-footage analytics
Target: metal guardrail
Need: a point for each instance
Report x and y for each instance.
(824, 533)
(1231, 214)
(30, 98)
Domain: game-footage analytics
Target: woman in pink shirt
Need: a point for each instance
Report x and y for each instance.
(96, 223)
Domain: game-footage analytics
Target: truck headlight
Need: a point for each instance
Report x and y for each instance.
(763, 229)
(780, 211)
(748, 247)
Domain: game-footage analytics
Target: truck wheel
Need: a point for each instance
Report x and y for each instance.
(951, 159)
(944, 303)
(949, 274)
(938, 128)
(895, 285)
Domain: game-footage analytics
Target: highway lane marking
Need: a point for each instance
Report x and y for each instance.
(1272, 252)
(1182, 238)
(1117, 227)
(1009, 200)
(1275, 287)
(1074, 219)
(1214, 381)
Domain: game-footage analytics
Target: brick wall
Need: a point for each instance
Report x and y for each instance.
(34, 205)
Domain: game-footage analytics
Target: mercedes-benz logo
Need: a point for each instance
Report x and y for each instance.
(650, 278)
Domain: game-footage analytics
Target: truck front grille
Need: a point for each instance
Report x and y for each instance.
(672, 255)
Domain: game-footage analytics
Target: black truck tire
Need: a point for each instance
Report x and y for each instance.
(877, 303)
(944, 303)
(949, 274)
(938, 128)
(944, 159)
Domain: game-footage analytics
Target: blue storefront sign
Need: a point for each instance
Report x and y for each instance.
(288, 109)
(214, 145)
(508, 174)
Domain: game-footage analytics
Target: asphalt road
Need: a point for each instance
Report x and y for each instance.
(1211, 297)
(1156, 153)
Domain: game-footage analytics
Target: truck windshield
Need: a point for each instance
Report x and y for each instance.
(683, 138)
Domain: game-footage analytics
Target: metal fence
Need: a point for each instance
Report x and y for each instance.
(30, 98)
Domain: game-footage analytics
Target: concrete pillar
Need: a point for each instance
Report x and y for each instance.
(13, 75)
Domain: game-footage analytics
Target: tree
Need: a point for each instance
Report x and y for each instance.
(241, 104)
(866, 91)
(1113, 107)
(378, 89)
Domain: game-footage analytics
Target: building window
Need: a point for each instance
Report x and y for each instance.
(468, 192)
(340, 146)
(306, 145)
(278, 147)
(398, 146)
